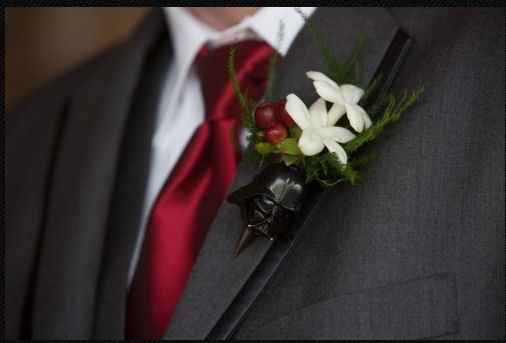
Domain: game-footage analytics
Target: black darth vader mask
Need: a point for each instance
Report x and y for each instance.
(269, 202)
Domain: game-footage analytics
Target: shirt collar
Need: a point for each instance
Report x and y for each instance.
(189, 34)
(269, 22)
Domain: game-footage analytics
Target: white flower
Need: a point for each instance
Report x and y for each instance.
(345, 99)
(318, 130)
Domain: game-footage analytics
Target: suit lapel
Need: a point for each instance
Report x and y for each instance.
(221, 287)
(129, 194)
(84, 172)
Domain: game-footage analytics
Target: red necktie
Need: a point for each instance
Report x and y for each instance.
(197, 186)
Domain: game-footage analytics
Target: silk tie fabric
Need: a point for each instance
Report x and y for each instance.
(191, 196)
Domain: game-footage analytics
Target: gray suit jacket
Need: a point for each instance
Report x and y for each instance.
(415, 251)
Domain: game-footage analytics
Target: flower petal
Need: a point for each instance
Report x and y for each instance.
(318, 113)
(367, 120)
(297, 110)
(351, 93)
(328, 92)
(337, 134)
(355, 116)
(338, 150)
(317, 76)
(336, 112)
(310, 143)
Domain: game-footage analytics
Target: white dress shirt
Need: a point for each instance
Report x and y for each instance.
(181, 108)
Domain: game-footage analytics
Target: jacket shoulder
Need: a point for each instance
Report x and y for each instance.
(43, 100)
(32, 131)
(36, 118)
(435, 24)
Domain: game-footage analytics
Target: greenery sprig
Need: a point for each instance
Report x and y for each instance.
(325, 167)
(247, 109)
(397, 105)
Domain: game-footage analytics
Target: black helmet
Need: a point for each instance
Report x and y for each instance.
(281, 184)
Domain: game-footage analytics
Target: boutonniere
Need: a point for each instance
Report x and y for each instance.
(295, 144)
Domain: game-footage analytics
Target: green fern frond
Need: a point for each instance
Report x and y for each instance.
(346, 72)
(271, 77)
(371, 92)
(395, 108)
(246, 105)
(329, 59)
(350, 70)
(327, 170)
(273, 61)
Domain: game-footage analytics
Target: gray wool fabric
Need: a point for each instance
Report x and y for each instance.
(416, 250)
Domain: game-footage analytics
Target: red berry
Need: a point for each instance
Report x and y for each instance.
(265, 115)
(282, 115)
(276, 133)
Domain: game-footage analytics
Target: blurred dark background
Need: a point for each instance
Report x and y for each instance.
(43, 42)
